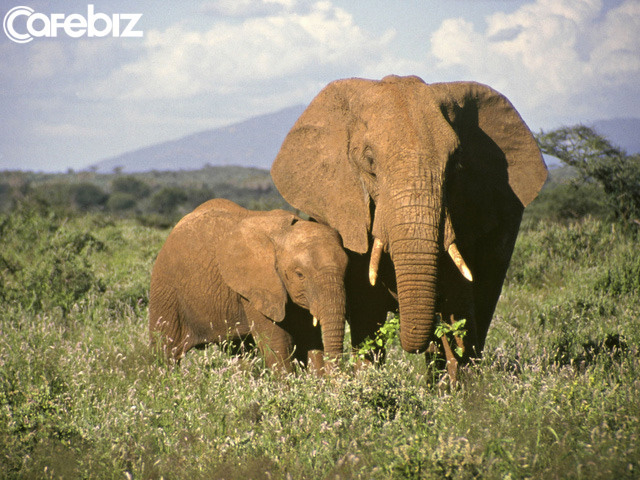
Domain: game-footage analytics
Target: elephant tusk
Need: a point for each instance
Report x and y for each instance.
(376, 251)
(315, 322)
(459, 261)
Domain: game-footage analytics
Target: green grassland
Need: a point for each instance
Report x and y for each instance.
(557, 394)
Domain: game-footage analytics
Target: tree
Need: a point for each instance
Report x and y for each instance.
(131, 186)
(167, 199)
(597, 160)
(120, 201)
(87, 195)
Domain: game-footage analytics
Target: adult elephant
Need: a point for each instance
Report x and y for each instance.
(426, 184)
(226, 272)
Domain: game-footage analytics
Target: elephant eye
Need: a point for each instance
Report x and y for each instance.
(369, 161)
(299, 274)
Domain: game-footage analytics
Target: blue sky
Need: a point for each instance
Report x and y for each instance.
(70, 102)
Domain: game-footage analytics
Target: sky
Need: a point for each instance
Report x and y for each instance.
(71, 100)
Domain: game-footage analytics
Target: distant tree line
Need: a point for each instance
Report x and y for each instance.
(156, 198)
(597, 179)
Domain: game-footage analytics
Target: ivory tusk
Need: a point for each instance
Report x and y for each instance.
(459, 261)
(376, 251)
(315, 321)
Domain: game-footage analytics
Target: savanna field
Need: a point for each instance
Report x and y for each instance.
(557, 394)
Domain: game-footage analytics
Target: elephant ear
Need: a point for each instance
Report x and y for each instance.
(247, 261)
(493, 135)
(312, 170)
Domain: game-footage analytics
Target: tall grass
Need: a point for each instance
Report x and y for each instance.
(556, 395)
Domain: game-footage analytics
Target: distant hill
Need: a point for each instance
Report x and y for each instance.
(255, 143)
(621, 132)
(252, 143)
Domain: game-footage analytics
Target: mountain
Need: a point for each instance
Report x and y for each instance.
(252, 143)
(621, 132)
(255, 143)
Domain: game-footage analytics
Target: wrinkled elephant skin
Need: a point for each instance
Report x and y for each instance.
(436, 175)
(226, 272)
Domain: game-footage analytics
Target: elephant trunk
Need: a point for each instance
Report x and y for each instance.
(414, 249)
(330, 310)
(416, 283)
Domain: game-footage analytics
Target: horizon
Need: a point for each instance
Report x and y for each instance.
(69, 102)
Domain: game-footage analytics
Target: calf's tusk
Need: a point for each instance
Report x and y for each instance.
(376, 251)
(315, 321)
(459, 261)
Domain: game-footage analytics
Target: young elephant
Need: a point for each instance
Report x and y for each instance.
(226, 272)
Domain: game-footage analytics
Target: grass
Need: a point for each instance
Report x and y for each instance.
(81, 396)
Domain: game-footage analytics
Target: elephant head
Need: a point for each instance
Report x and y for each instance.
(275, 256)
(415, 170)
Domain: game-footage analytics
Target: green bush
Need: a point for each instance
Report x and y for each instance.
(67, 197)
(82, 395)
(6, 197)
(56, 195)
(197, 196)
(44, 263)
(167, 200)
(568, 201)
(120, 201)
(131, 186)
(86, 196)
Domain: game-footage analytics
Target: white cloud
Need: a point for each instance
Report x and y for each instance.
(548, 54)
(231, 57)
(455, 42)
(46, 60)
(78, 100)
(246, 8)
(617, 42)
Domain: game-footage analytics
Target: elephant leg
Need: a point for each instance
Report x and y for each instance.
(315, 362)
(486, 293)
(275, 343)
(166, 328)
(491, 261)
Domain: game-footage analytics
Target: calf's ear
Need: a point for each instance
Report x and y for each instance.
(247, 262)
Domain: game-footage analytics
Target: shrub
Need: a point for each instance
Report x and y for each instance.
(119, 201)
(66, 197)
(44, 264)
(566, 201)
(131, 186)
(167, 199)
(197, 196)
(54, 195)
(6, 196)
(87, 195)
